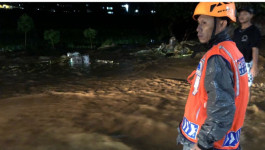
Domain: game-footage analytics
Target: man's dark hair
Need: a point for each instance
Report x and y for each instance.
(247, 8)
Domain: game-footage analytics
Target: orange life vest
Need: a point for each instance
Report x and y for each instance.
(195, 109)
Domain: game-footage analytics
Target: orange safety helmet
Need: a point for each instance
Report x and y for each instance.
(216, 9)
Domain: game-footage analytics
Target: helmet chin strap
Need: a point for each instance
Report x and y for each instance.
(214, 28)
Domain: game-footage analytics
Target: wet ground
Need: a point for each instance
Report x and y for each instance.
(133, 105)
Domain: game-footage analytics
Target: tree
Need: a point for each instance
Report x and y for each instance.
(91, 34)
(25, 24)
(174, 19)
(53, 36)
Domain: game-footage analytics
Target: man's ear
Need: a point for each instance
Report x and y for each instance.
(251, 16)
(223, 24)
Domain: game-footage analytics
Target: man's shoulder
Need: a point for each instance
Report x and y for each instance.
(228, 47)
(224, 46)
(254, 28)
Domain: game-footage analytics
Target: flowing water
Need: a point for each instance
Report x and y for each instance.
(130, 104)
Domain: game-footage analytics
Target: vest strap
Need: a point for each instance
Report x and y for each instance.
(191, 76)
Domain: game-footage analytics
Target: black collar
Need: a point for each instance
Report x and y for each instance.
(242, 30)
(220, 37)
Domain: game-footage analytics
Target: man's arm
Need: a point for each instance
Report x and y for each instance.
(255, 43)
(219, 84)
(255, 54)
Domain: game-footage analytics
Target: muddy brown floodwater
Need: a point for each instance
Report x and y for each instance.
(134, 108)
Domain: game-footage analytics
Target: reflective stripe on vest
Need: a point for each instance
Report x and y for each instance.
(237, 78)
(195, 109)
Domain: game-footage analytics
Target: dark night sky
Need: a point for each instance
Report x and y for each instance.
(75, 14)
(82, 15)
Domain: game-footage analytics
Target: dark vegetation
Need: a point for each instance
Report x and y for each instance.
(48, 33)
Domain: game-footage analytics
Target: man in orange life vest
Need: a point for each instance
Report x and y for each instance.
(218, 97)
